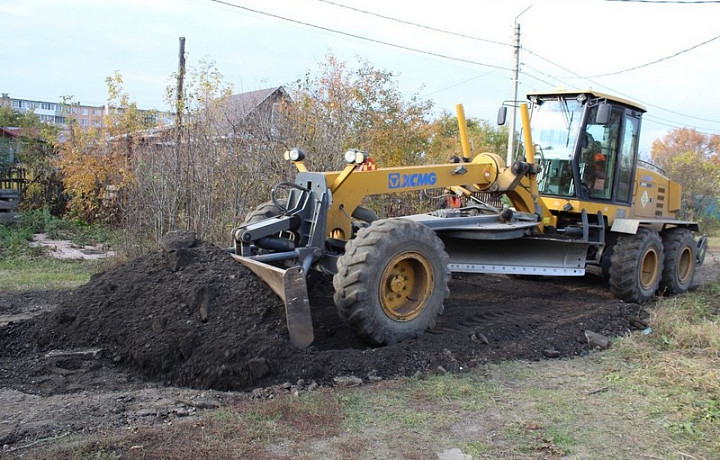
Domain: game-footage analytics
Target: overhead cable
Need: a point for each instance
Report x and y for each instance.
(422, 26)
(577, 75)
(675, 2)
(617, 92)
(655, 61)
(443, 56)
(360, 37)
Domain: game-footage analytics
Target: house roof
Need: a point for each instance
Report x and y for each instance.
(238, 107)
(243, 104)
(10, 131)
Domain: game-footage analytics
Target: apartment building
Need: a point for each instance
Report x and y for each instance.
(56, 113)
(85, 116)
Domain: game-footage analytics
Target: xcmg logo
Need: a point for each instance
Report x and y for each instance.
(396, 180)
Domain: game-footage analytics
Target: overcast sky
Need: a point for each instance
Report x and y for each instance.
(56, 48)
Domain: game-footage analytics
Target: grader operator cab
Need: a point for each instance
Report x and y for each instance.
(578, 197)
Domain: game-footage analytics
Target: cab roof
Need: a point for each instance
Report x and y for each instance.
(590, 94)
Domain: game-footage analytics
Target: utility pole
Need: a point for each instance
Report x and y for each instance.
(183, 198)
(180, 83)
(515, 80)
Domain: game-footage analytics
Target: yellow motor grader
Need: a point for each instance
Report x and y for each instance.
(579, 197)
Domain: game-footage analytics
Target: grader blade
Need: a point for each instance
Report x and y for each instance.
(291, 287)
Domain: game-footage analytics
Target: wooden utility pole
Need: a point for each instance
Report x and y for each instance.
(183, 195)
(180, 82)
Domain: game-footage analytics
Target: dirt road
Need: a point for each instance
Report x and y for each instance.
(173, 333)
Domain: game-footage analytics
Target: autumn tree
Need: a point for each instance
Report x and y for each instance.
(96, 163)
(343, 107)
(339, 108)
(482, 135)
(693, 160)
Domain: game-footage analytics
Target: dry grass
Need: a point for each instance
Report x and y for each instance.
(677, 367)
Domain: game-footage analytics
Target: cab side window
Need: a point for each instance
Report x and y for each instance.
(627, 158)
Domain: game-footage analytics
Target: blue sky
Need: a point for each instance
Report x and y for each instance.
(53, 49)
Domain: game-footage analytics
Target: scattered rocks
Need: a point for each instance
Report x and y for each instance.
(348, 381)
(284, 389)
(551, 353)
(452, 363)
(637, 323)
(453, 454)
(478, 337)
(176, 240)
(597, 341)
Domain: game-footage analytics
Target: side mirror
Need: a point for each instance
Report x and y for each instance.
(501, 115)
(603, 114)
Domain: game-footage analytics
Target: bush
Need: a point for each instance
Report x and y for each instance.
(14, 242)
(40, 221)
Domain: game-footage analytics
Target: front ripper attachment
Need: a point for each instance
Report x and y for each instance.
(291, 286)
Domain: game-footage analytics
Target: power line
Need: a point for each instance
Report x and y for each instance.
(655, 61)
(546, 75)
(659, 121)
(541, 57)
(448, 32)
(422, 26)
(443, 56)
(676, 2)
(615, 91)
(536, 78)
(476, 77)
(360, 37)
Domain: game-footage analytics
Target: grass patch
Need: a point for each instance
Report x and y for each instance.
(23, 267)
(677, 367)
(46, 273)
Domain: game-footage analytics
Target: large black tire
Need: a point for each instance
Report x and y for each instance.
(680, 258)
(606, 259)
(636, 266)
(364, 214)
(267, 210)
(264, 211)
(392, 281)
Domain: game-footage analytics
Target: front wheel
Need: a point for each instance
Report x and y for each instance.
(636, 266)
(680, 259)
(392, 281)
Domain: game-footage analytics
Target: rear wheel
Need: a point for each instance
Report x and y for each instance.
(636, 266)
(680, 258)
(392, 281)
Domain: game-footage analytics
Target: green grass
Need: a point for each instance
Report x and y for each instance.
(45, 273)
(23, 267)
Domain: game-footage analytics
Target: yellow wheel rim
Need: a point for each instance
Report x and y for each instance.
(405, 286)
(685, 265)
(649, 268)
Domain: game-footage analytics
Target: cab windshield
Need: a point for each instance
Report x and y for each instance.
(555, 127)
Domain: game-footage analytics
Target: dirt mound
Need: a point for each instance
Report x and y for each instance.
(191, 316)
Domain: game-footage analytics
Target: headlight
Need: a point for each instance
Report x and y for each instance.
(355, 156)
(294, 155)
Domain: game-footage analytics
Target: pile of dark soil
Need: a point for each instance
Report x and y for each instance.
(192, 316)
